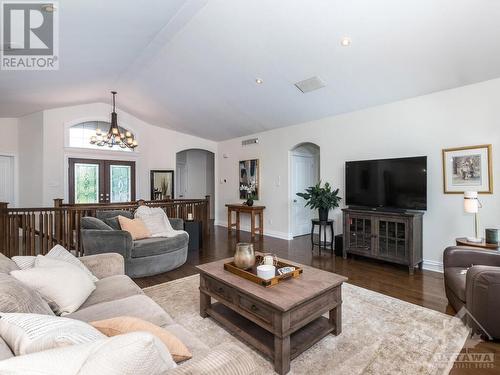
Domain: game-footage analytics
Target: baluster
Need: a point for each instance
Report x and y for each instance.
(32, 233)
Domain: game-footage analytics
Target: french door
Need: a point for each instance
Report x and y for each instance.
(101, 181)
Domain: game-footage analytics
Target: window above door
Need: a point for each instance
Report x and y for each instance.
(79, 135)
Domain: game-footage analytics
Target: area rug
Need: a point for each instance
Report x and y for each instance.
(380, 334)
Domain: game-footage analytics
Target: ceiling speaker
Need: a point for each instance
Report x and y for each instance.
(310, 84)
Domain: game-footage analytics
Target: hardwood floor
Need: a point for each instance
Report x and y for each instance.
(424, 288)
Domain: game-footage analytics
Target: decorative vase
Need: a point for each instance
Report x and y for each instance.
(244, 257)
(250, 202)
(323, 214)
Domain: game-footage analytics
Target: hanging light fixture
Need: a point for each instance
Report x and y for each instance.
(114, 136)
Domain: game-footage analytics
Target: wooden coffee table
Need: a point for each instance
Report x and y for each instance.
(280, 321)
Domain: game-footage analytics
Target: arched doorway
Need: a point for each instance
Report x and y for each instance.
(304, 172)
(195, 175)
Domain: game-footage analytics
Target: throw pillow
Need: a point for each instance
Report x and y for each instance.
(7, 265)
(60, 253)
(31, 333)
(63, 284)
(89, 222)
(156, 221)
(126, 324)
(24, 262)
(138, 353)
(17, 297)
(113, 222)
(135, 227)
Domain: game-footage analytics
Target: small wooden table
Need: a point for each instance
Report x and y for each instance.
(281, 321)
(482, 245)
(252, 210)
(322, 224)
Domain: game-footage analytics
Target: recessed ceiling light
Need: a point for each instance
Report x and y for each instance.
(345, 42)
(259, 81)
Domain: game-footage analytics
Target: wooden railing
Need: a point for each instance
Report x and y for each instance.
(33, 231)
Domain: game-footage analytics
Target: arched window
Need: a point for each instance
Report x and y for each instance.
(79, 135)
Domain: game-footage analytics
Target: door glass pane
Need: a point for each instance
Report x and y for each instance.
(86, 183)
(120, 186)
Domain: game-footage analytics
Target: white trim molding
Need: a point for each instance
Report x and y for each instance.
(433, 265)
(270, 233)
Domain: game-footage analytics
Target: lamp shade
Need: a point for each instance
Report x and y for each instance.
(471, 204)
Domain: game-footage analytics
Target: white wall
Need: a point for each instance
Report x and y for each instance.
(30, 164)
(425, 125)
(9, 134)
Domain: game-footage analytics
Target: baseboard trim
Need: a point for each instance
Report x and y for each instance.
(433, 265)
(270, 233)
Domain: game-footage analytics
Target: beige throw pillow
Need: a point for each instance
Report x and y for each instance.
(126, 324)
(135, 227)
(31, 333)
(64, 285)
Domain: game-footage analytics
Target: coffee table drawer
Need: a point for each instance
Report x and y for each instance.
(255, 308)
(221, 290)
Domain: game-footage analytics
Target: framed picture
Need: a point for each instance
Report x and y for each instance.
(249, 179)
(468, 169)
(162, 184)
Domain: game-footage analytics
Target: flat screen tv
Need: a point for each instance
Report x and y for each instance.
(399, 184)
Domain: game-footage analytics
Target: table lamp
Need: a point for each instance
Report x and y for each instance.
(471, 206)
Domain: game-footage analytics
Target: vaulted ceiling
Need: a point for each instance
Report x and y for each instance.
(191, 65)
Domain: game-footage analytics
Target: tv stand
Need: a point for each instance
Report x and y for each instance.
(391, 236)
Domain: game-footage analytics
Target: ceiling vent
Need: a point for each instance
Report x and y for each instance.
(248, 142)
(310, 84)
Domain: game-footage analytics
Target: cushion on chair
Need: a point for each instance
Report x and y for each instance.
(113, 222)
(19, 298)
(89, 222)
(160, 245)
(456, 277)
(135, 227)
(114, 213)
(7, 265)
(138, 306)
(112, 288)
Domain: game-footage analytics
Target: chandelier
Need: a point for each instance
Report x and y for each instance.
(114, 136)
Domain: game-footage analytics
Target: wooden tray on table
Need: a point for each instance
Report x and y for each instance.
(251, 273)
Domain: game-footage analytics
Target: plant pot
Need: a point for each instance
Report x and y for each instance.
(250, 202)
(323, 214)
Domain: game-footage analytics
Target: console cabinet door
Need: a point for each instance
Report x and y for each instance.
(360, 234)
(392, 239)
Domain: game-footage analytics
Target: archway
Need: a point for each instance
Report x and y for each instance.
(304, 172)
(195, 175)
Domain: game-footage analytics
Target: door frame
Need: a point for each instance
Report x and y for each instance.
(15, 167)
(104, 185)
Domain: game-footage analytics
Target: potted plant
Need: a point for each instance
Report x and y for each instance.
(321, 198)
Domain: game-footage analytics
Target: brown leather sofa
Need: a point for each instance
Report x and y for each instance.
(472, 279)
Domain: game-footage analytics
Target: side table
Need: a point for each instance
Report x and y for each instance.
(195, 231)
(481, 245)
(322, 225)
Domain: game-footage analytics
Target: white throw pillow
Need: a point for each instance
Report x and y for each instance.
(60, 253)
(64, 286)
(137, 353)
(156, 220)
(24, 262)
(31, 333)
